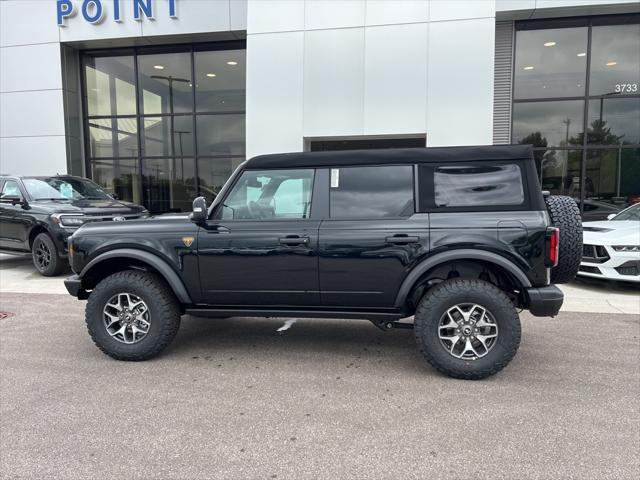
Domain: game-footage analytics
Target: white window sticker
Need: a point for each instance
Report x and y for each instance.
(335, 177)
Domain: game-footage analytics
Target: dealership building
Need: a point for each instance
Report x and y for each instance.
(159, 100)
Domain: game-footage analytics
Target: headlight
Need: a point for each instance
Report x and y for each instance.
(68, 220)
(626, 248)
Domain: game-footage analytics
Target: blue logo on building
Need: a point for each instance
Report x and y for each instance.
(94, 11)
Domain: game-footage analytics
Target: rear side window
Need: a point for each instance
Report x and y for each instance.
(371, 192)
(478, 185)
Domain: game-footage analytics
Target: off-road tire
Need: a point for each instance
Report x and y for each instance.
(163, 307)
(56, 264)
(452, 292)
(565, 215)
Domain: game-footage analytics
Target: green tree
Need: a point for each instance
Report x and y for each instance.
(597, 133)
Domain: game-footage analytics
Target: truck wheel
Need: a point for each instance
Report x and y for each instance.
(45, 256)
(132, 315)
(467, 329)
(565, 215)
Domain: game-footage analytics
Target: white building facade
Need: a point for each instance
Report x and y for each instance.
(158, 100)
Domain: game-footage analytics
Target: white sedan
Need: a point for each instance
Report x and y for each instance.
(612, 247)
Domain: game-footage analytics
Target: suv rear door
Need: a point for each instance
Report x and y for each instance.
(261, 246)
(372, 235)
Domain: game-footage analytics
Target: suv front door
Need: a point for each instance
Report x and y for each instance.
(260, 248)
(13, 224)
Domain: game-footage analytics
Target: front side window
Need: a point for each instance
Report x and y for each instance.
(371, 192)
(10, 190)
(478, 185)
(270, 194)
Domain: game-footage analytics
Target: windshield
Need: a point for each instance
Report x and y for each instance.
(64, 188)
(631, 213)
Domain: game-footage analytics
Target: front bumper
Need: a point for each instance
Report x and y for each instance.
(611, 265)
(74, 286)
(545, 301)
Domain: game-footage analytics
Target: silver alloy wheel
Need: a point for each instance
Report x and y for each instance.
(468, 331)
(126, 318)
(42, 254)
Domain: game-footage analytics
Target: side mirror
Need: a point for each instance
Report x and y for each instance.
(611, 215)
(199, 213)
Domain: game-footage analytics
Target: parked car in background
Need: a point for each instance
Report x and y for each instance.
(611, 248)
(37, 214)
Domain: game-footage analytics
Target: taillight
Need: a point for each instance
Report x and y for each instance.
(553, 246)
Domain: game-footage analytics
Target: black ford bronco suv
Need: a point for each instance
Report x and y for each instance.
(459, 238)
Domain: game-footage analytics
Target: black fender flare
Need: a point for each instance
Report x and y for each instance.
(458, 254)
(156, 262)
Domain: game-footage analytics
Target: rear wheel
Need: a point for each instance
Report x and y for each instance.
(132, 315)
(565, 215)
(45, 256)
(467, 329)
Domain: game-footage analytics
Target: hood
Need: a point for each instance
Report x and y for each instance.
(158, 223)
(108, 206)
(623, 232)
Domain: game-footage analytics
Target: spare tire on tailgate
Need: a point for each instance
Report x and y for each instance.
(565, 215)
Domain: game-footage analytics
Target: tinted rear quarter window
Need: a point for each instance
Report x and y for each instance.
(371, 192)
(469, 185)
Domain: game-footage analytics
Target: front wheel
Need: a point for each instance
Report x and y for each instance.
(45, 256)
(467, 329)
(132, 315)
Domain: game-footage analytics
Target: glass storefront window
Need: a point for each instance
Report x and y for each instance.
(164, 81)
(221, 134)
(119, 177)
(615, 60)
(613, 175)
(560, 171)
(113, 137)
(157, 166)
(220, 81)
(548, 124)
(157, 136)
(550, 63)
(609, 155)
(110, 86)
(213, 173)
(613, 121)
(168, 184)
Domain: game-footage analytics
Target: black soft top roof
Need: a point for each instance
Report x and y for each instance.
(391, 156)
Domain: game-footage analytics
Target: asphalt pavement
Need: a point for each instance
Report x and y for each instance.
(238, 399)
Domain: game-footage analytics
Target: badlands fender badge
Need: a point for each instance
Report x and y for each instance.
(187, 241)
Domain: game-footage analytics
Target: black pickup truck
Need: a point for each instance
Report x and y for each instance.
(459, 238)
